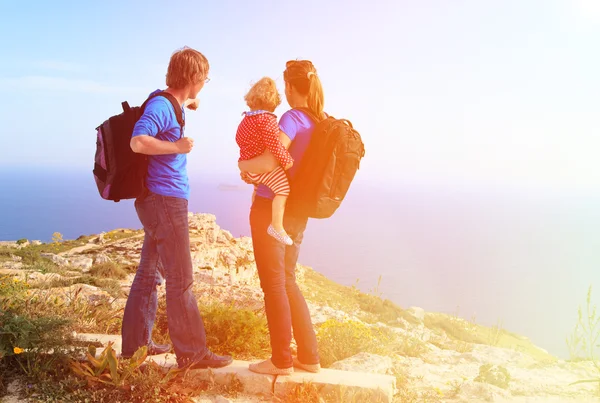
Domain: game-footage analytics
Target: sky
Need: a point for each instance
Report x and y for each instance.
(474, 94)
(465, 92)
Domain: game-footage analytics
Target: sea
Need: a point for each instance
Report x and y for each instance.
(520, 258)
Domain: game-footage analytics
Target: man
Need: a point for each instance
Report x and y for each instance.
(163, 212)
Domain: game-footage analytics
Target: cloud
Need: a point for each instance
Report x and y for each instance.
(61, 84)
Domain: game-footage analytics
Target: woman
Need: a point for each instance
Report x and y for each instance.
(276, 263)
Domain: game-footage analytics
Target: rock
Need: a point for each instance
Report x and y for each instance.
(211, 236)
(227, 259)
(99, 239)
(16, 258)
(119, 303)
(494, 375)
(59, 260)
(36, 242)
(124, 261)
(88, 292)
(232, 277)
(204, 277)
(12, 265)
(428, 360)
(475, 390)
(12, 392)
(365, 362)
(321, 313)
(417, 313)
(82, 262)
(224, 237)
(36, 278)
(499, 356)
(102, 258)
(9, 244)
(13, 272)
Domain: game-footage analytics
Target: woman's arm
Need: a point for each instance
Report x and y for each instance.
(266, 162)
(270, 137)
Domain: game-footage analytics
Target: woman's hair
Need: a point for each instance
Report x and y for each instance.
(187, 66)
(263, 95)
(302, 75)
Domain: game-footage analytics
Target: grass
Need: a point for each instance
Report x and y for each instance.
(308, 392)
(46, 266)
(240, 332)
(31, 253)
(33, 322)
(111, 286)
(6, 253)
(34, 251)
(369, 308)
(109, 270)
(583, 341)
(339, 340)
(456, 328)
(118, 234)
(83, 316)
(25, 337)
(143, 383)
(230, 330)
(461, 331)
(407, 394)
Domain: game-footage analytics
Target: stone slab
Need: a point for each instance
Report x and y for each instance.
(364, 386)
(351, 386)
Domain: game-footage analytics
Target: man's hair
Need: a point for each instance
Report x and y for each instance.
(187, 66)
(263, 95)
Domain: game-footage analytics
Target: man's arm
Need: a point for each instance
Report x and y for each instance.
(146, 144)
(192, 104)
(155, 119)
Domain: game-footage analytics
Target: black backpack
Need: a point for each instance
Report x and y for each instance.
(118, 171)
(327, 168)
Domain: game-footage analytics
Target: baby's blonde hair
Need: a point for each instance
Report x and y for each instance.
(263, 95)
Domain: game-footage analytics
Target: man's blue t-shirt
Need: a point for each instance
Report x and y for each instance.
(299, 128)
(167, 174)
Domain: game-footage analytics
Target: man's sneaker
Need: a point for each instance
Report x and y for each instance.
(156, 349)
(210, 360)
(153, 349)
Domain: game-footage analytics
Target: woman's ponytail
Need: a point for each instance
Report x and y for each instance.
(316, 99)
(302, 75)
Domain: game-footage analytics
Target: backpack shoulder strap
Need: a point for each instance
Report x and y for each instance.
(174, 104)
(311, 115)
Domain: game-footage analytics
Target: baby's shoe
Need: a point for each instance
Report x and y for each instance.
(282, 236)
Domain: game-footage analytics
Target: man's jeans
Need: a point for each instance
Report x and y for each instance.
(284, 303)
(166, 244)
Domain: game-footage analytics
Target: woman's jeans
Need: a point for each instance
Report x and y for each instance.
(284, 303)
